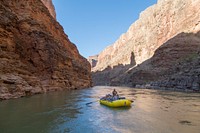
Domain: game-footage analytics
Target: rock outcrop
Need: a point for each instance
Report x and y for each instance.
(93, 60)
(147, 55)
(50, 6)
(35, 54)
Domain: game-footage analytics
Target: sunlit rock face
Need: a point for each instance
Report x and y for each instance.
(50, 6)
(155, 26)
(35, 54)
(170, 28)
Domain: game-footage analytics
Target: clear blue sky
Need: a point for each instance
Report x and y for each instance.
(94, 24)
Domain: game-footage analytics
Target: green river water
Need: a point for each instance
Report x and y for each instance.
(153, 111)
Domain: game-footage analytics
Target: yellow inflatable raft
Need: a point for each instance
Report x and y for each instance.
(116, 103)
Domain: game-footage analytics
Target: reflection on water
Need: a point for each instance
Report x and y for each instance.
(152, 111)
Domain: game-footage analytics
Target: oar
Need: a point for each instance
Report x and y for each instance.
(92, 102)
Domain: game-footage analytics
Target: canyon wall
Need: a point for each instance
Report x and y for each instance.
(155, 26)
(35, 54)
(170, 28)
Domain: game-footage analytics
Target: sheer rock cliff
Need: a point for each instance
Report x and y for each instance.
(156, 25)
(35, 54)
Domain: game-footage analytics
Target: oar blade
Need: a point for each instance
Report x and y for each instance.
(91, 102)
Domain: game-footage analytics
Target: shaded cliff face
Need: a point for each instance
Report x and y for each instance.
(35, 54)
(50, 6)
(156, 25)
(160, 50)
(175, 65)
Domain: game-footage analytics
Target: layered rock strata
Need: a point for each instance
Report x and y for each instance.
(35, 54)
(175, 66)
(154, 52)
(155, 26)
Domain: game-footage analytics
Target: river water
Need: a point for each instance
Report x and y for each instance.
(153, 111)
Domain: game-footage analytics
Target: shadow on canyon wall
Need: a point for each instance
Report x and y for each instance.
(174, 65)
(109, 74)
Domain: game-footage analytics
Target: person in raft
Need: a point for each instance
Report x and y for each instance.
(115, 95)
(108, 97)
